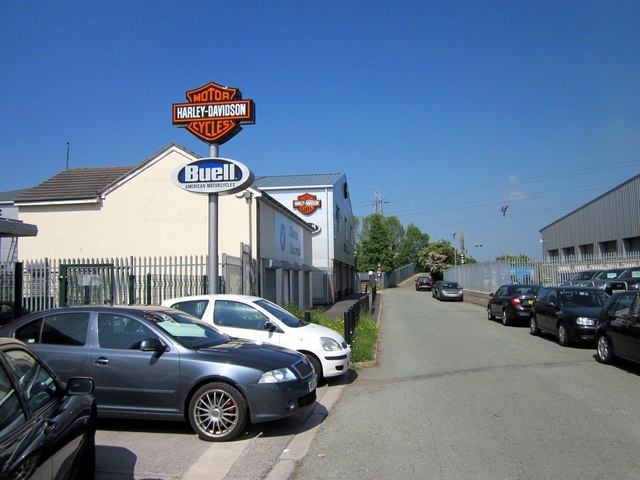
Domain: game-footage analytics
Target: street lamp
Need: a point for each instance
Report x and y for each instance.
(504, 215)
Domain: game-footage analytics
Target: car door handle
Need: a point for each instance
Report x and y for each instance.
(101, 361)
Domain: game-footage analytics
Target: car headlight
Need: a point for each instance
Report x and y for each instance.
(329, 344)
(277, 376)
(586, 322)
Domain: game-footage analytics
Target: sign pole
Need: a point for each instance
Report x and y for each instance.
(213, 232)
(214, 114)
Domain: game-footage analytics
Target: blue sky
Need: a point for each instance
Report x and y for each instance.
(451, 109)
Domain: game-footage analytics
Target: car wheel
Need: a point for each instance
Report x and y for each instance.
(489, 315)
(317, 366)
(533, 326)
(563, 335)
(505, 318)
(605, 354)
(218, 412)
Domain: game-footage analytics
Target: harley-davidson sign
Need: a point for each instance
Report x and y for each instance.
(214, 113)
(307, 203)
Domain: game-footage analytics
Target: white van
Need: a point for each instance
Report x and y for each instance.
(259, 319)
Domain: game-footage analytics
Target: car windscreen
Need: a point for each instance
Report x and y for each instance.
(450, 285)
(582, 298)
(281, 314)
(188, 331)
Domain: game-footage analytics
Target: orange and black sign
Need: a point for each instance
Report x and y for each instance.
(307, 203)
(214, 113)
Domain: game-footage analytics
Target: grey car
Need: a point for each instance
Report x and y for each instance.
(444, 290)
(161, 363)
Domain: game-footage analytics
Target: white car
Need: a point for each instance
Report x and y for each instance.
(256, 318)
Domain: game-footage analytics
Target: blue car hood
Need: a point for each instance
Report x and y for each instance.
(263, 356)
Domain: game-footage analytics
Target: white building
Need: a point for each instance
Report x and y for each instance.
(137, 211)
(323, 201)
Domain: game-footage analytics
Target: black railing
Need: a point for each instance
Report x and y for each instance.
(352, 316)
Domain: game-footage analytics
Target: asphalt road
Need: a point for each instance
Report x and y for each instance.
(453, 396)
(456, 396)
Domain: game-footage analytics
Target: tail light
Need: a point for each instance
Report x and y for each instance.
(516, 301)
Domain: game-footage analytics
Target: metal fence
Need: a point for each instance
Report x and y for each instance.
(486, 277)
(49, 283)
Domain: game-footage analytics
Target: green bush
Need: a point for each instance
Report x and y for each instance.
(365, 337)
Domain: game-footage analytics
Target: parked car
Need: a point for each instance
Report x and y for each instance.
(444, 290)
(570, 313)
(47, 430)
(580, 278)
(631, 278)
(423, 283)
(259, 319)
(160, 363)
(512, 302)
(607, 280)
(618, 329)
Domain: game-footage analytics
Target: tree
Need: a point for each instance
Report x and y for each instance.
(411, 245)
(375, 245)
(437, 257)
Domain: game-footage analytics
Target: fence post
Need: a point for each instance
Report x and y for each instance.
(18, 279)
(132, 289)
(147, 289)
(62, 299)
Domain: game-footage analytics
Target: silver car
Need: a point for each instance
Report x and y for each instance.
(161, 363)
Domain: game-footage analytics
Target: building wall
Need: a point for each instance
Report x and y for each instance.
(608, 225)
(333, 244)
(147, 215)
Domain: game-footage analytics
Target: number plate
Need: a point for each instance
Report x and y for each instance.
(313, 384)
(529, 302)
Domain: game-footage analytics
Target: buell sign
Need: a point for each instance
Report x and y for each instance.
(214, 113)
(307, 203)
(213, 175)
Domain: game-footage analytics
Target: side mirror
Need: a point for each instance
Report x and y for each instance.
(153, 345)
(80, 385)
(269, 326)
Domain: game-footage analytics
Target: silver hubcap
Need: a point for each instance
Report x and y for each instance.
(603, 348)
(562, 334)
(216, 413)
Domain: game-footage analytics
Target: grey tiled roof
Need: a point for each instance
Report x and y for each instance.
(8, 197)
(76, 184)
(307, 180)
(84, 183)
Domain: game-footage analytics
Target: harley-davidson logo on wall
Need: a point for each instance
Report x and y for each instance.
(307, 203)
(214, 113)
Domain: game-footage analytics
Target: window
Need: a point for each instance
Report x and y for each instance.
(193, 307)
(11, 413)
(121, 332)
(622, 306)
(60, 329)
(37, 383)
(238, 315)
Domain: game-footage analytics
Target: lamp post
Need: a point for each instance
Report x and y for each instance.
(504, 216)
(455, 260)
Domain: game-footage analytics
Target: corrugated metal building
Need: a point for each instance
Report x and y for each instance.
(607, 226)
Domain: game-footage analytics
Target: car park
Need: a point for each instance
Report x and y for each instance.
(570, 313)
(47, 430)
(158, 363)
(618, 329)
(423, 283)
(444, 290)
(580, 278)
(512, 303)
(259, 319)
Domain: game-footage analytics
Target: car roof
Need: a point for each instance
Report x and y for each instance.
(217, 296)
(136, 309)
